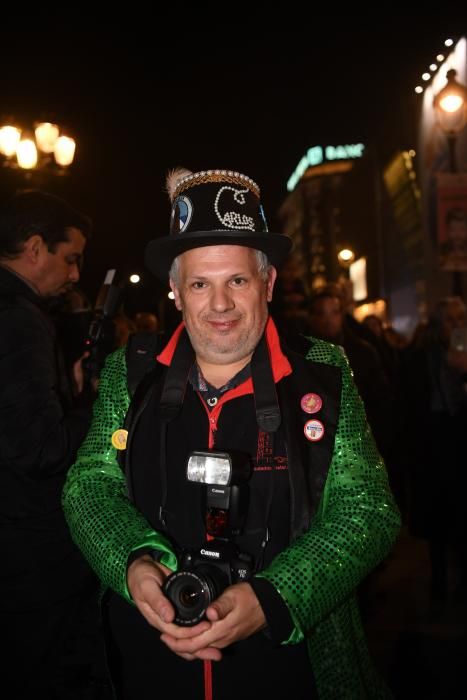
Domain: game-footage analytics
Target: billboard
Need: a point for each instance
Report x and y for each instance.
(452, 221)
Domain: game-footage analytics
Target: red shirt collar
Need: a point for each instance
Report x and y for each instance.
(280, 364)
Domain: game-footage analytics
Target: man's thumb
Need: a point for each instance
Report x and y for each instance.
(218, 609)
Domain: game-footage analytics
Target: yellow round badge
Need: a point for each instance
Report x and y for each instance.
(119, 438)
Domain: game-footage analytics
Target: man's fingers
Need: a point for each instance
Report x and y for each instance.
(219, 609)
(191, 649)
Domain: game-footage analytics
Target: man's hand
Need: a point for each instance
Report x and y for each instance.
(145, 578)
(235, 615)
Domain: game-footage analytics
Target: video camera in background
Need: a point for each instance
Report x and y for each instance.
(100, 340)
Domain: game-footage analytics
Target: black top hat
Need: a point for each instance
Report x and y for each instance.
(215, 207)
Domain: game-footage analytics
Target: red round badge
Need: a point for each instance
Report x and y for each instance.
(311, 403)
(314, 430)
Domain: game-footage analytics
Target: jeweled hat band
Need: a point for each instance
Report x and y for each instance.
(225, 176)
(213, 201)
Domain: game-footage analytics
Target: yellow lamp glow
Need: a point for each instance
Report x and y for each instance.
(26, 153)
(64, 151)
(9, 139)
(46, 136)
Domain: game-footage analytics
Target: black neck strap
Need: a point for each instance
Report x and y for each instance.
(176, 378)
(268, 414)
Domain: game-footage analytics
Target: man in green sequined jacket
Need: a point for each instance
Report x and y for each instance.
(319, 514)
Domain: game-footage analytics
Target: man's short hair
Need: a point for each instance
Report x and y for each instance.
(261, 259)
(31, 212)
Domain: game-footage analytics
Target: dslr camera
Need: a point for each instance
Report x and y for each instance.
(206, 572)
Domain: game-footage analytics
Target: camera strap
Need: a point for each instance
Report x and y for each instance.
(176, 378)
(268, 414)
(171, 402)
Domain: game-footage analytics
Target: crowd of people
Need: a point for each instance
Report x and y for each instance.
(204, 521)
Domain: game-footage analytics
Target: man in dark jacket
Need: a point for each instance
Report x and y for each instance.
(44, 581)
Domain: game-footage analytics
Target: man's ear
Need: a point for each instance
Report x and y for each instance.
(176, 293)
(33, 247)
(272, 276)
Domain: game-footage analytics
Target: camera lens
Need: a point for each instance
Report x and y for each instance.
(190, 593)
(190, 597)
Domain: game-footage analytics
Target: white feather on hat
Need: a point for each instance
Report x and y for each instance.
(173, 178)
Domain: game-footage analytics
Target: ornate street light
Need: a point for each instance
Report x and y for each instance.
(45, 148)
(451, 113)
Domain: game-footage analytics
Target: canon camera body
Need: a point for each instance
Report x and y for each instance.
(202, 577)
(204, 573)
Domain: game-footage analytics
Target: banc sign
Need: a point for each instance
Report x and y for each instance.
(317, 155)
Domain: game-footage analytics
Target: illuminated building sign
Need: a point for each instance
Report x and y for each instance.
(317, 155)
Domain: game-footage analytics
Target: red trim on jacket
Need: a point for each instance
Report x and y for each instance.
(280, 364)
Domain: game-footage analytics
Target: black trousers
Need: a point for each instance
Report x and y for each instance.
(55, 652)
(143, 668)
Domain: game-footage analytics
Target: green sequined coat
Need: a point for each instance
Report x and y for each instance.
(354, 528)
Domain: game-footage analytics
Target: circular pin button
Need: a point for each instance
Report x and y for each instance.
(314, 430)
(311, 403)
(119, 439)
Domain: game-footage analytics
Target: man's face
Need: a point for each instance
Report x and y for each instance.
(56, 271)
(326, 318)
(223, 300)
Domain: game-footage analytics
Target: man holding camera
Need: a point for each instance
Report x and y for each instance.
(246, 467)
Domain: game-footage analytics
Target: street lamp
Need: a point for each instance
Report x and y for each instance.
(43, 148)
(345, 256)
(451, 112)
(450, 106)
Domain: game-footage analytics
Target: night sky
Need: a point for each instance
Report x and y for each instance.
(250, 95)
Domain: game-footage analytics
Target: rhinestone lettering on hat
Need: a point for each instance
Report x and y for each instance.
(232, 219)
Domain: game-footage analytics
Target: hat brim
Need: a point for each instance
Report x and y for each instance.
(161, 252)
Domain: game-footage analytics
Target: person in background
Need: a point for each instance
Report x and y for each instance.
(328, 321)
(435, 410)
(123, 327)
(146, 322)
(291, 431)
(72, 314)
(453, 250)
(48, 593)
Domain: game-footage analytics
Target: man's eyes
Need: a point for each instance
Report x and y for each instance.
(235, 282)
(74, 260)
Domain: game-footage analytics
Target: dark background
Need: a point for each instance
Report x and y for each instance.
(250, 93)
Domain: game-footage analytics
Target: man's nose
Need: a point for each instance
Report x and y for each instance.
(221, 299)
(74, 273)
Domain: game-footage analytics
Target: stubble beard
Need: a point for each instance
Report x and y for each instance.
(225, 351)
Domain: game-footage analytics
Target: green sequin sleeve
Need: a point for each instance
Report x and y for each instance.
(356, 523)
(103, 522)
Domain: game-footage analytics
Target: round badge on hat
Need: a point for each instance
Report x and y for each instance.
(314, 430)
(119, 438)
(311, 403)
